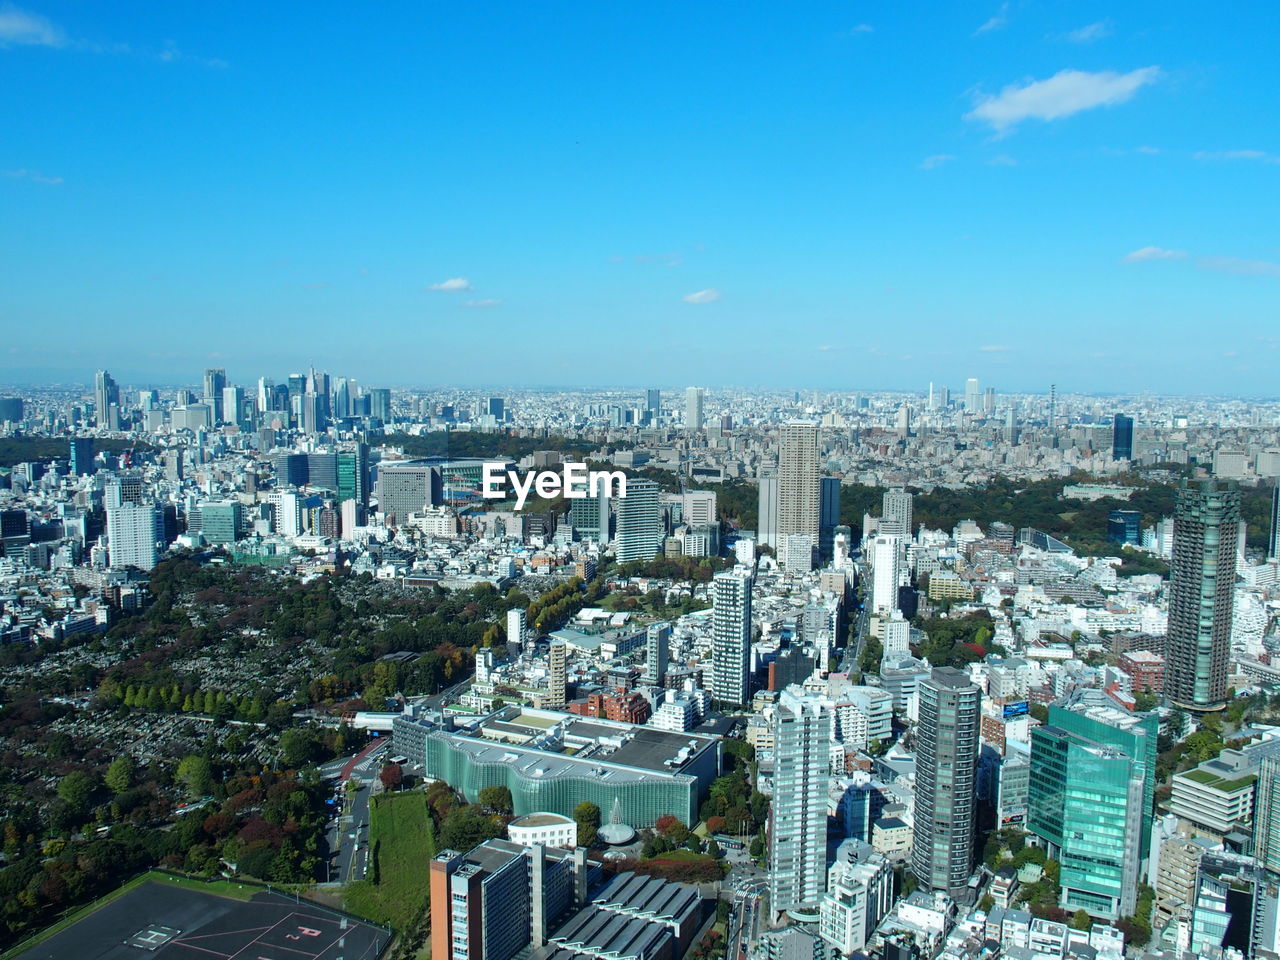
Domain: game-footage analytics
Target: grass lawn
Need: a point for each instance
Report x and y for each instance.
(219, 888)
(398, 829)
(681, 855)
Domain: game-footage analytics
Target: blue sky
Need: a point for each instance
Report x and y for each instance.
(845, 195)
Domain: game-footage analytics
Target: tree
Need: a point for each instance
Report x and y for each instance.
(466, 827)
(496, 799)
(119, 776)
(196, 773)
(587, 816)
(298, 747)
(1080, 920)
(391, 775)
(76, 790)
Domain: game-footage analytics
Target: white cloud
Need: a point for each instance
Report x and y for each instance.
(452, 285)
(18, 26)
(935, 161)
(1153, 253)
(481, 303)
(1149, 151)
(863, 28)
(710, 295)
(1065, 93)
(1002, 160)
(1244, 268)
(32, 176)
(1000, 18)
(1260, 155)
(1090, 33)
(994, 348)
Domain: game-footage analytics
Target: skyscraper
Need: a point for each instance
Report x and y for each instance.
(798, 813)
(106, 401)
(82, 456)
(557, 674)
(972, 396)
(215, 379)
(1266, 816)
(886, 572)
(946, 775)
(380, 404)
(658, 644)
(640, 526)
(1273, 538)
(731, 637)
(1122, 437)
(589, 516)
(353, 474)
(133, 532)
(828, 514)
(895, 513)
(767, 533)
(1090, 799)
(693, 400)
(516, 629)
(799, 486)
(653, 404)
(496, 407)
(1201, 593)
(411, 487)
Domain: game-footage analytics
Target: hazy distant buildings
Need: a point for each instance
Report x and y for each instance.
(946, 773)
(731, 637)
(106, 401)
(972, 396)
(215, 379)
(1201, 593)
(693, 404)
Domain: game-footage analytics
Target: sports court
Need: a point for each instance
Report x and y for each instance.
(175, 923)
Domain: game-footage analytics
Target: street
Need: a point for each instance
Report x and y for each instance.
(348, 833)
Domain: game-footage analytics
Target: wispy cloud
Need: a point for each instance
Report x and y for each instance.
(31, 176)
(1260, 156)
(1066, 93)
(935, 161)
(1091, 33)
(828, 347)
(480, 304)
(710, 295)
(452, 285)
(1143, 254)
(1002, 160)
(994, 348)
(20, 27)
(1243, 268)
(1000, 19)
(863, 28)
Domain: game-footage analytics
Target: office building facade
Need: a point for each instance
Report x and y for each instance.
(640, 526)
(799, 484)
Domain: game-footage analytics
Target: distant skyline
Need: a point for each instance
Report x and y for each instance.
(873, 194)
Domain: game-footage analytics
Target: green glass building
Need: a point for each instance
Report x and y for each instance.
(1091, 798)
(220, 522)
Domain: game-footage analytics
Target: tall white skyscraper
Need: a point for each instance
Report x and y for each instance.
(886, 570)
(799, 483)
(802, 734)
(895, 514)
(972, 395)
(557, 674)
(640, 526)
(767, 532)
(133, 533)
(693, 401)
(658, 644)
(731, 637)
(516, 629)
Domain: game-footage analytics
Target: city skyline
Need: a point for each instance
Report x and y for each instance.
(1021, 195)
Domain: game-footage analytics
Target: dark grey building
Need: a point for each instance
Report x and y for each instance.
(946, 780)
(1206, 526)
